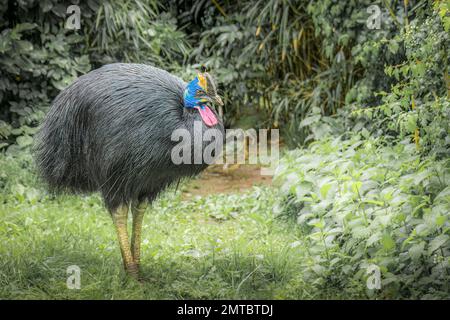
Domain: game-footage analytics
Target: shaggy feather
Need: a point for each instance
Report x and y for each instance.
(110, 131)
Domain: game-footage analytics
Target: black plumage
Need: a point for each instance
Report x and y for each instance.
(110, 131)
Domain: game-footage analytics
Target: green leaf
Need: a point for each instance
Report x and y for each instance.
(324, 190)
(310, 120)
(387, 242)
(373, 239)
(416, 251)
(24, 141)
(320, 270)
(411, 123)
(437, 242)
(356, 186)
(24, 46)
(375, 202)
(440, 220)
(393, 46)
(24, 27)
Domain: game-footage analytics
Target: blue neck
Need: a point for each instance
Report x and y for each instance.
(190, 100)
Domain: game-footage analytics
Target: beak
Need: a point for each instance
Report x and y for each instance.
(217, 99)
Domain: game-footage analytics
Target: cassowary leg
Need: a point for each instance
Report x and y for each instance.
(119, 217)
(138, 210)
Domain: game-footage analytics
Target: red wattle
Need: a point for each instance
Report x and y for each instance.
(207, 115)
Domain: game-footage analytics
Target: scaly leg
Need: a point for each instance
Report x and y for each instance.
(119, 217)
(138, 210)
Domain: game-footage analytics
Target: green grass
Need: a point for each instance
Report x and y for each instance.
(221, 246)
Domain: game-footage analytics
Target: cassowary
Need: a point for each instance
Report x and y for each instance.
(110, 131)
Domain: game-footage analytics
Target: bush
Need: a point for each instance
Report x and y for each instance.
(39, 56)
(361, 203)
(417, 104)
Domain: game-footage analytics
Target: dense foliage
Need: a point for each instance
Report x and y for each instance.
(360, 203)
(377, 193)
(39, 56)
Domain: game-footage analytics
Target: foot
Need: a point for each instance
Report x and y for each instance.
(133, 271)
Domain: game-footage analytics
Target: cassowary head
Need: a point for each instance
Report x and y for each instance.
(200, 94)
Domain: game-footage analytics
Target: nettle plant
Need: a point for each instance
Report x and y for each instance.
(359, 204)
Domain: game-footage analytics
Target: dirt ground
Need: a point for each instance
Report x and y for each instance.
(235, 178)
